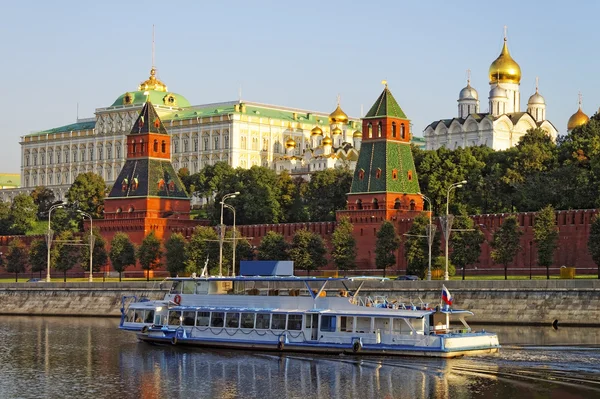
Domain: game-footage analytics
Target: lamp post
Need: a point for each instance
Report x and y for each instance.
(430, 233)
(233, 238)
(49, 235)
(222, 230)
(448, 224)
(85, 214)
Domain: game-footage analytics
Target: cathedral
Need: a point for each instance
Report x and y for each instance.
(503, 124)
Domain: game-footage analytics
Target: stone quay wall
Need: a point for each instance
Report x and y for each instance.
(569, 302)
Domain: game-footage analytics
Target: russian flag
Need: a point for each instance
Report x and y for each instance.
(446, 296)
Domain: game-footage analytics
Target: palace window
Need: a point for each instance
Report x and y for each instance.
(216, 142)
(196, 144)
(185, 145)
(226, 138)
(206, 143)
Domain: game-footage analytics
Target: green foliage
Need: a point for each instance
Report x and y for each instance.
(149, 253)
(594, 241)
(68, 255)
(99, 252)
(545, 233)
(87, 193)
(64, 219)
(122, 253)
(416, 246)
(16, 258)
(23, 214)
(387, 244)
(291, 198)
(466, 245)
(175, 254)
(308, 251)
(439, 263)
(506, 243)
(43, 197)
(5, 221)
(273, 247)
(203, 245)
(38, 255)
(343, 253)
(326, 193)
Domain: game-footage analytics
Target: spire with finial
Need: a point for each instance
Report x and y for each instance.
(384, 82)
(537, 84)
(578, 118)
(468, 77)
(338, 116)
(153, 83)
(580, 100)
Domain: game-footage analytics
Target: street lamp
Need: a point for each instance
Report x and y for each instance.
(430, 233)
(448, 224)
(233, 237)
(49, 235)
(87, 215)
(222, 230)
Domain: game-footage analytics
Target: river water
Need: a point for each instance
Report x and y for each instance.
(48, 357)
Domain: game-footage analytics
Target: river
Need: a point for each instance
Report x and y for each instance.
(51, 357)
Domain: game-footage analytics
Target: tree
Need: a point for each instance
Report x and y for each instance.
(23, 214)
(506, 243)
(326, 193)
(175, 254)
(273, 247)
(122, 253)
(43, 197)
(149, 253)
(466, 245)
(545, 235)
(68, 255)
(594, 241)
(202, 247)
(88, 192)
(416, 246)
(99, 252)
(5, 221)
(344, 246)
(387, 243)
(16, 258)
(38, 256)
(308, 251)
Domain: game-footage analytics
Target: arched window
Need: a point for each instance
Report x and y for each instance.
(409, 175)
(412, 205)
(155, 147)
(163, 146)
(361, 174)
(397, 203)
(379, 126)
(394, 129)
(375, 203)
(359, 204)
(133, 147)
(394, 174)
(402, 131)
(378, 173)
(370, 128)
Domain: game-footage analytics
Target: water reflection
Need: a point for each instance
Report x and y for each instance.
(64, 357)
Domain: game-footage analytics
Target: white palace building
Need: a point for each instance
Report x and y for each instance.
(240, 133)
(504, 123)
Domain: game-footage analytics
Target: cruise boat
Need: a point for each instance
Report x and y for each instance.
(276, 311)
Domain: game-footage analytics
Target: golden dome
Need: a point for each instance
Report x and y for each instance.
(336, 130)
(504, 68)
(357, 134)
(327, 141)
(577, 119)
(152, 83)
(338, 116)
(290, 143)
(316, 131)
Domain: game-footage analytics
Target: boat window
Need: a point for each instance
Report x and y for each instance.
(382, 324)
(328, 323)
(202, 287)
(202, 319)
(308, 320)
(262, 320)
(278, 321)
(216, 319)
(189, 287)
(188, 318)
(176, 287)
(294, 322)
(149, 316)
(346, 323)
(232, 320)
(363, 324)
(247, 320)
(174, 318)
(129, 318)
(139, 316)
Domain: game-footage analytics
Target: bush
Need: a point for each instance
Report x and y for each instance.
(439, 263)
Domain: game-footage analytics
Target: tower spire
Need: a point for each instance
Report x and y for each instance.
(468, 77)
(537, 84)
(153, 64)
(505, 32)
(580, 100)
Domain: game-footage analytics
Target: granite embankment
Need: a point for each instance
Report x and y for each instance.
(570, 302)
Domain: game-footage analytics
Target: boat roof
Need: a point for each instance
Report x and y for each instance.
(277, 278)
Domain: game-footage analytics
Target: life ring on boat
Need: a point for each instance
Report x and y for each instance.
(177, 299)
(144, 329)
(356, 346)
(280, 345)
(174, 341)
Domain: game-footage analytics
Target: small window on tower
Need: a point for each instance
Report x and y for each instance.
(370, 128)
(361, 174)
(410, 175)
(393, 129)
(394, 174)
(378, 173)
(379, 129)
(402, 131)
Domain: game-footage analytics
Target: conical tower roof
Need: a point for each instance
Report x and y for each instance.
(386, 105)
(148, 121)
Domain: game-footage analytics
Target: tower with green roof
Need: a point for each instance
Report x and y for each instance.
(385, 183)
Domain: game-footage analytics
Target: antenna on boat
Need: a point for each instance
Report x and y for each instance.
(205, 269)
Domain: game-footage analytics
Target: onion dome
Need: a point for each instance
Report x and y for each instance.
(338, 116)
(152, 83)
(316, 131)
(290, 143)
(468, 93)
(504, 68)
(327, 141)
(577, 119)
(357, 134)
(536, 99)
(336, 130)
(498, 91)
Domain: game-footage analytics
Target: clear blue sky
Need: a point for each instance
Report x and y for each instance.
(299, 54)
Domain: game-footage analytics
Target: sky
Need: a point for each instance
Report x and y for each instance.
(63, 56)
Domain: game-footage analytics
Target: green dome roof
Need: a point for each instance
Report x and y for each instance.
(155, 97)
